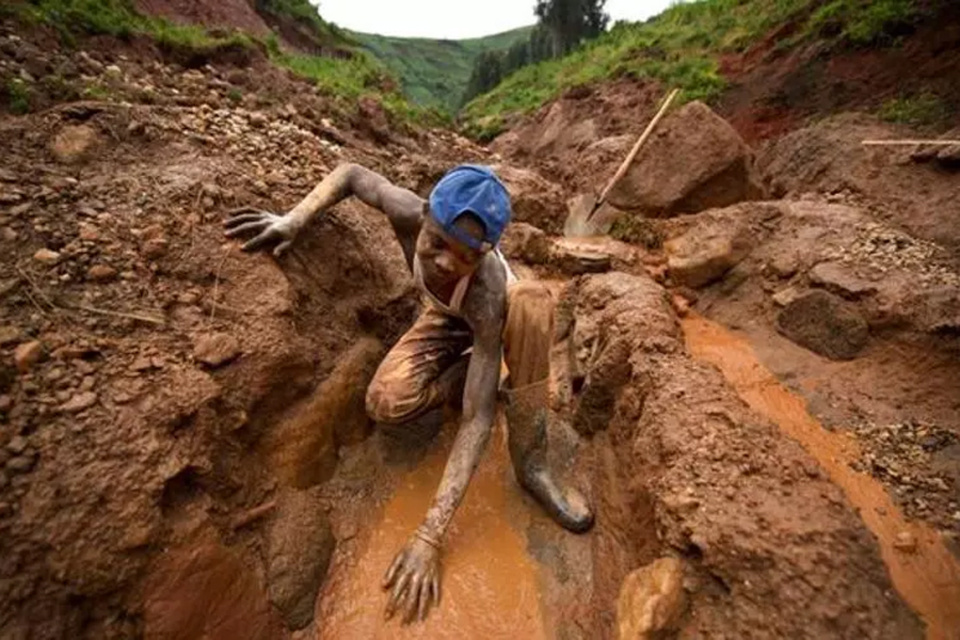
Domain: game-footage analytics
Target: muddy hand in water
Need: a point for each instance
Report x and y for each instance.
(415, 578)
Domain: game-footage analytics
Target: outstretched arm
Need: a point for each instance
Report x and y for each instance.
(402, 207)
(415, 573)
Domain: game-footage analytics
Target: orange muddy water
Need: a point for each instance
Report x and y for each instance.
(928, 579)
(489, 583)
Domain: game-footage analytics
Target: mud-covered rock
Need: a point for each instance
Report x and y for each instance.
(299, 543)
(694, 161)
(575, 258)
(636, 311)
(840, 279)
(651, 600)
(27, 354)
(79, 402)
(205, 591)
(216, 349)
(46, 256)
(825, 324)
(706, 252)
(533, 198)
(73, 143)
(526, 242)
(101, 273)
(785, 296)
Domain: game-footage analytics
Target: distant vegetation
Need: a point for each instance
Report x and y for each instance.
(680, 47)
(434, 73)
(922, 110)
(563, 26)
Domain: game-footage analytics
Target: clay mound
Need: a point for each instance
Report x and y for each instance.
(774, 548)
(829, 159)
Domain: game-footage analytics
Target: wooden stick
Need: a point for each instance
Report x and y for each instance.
(636, 148)
(254, 514)
(908, 142)
(118, 314)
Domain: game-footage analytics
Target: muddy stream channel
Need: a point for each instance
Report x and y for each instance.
(928, 578)
(496, 583)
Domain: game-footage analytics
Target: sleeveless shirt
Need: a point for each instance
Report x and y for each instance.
(460, 290)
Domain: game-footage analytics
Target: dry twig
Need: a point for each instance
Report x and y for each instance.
(877, 143)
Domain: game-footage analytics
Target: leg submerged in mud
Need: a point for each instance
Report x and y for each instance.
(527, 337)
(527, 419)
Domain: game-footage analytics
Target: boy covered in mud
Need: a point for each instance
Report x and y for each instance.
(475, 313)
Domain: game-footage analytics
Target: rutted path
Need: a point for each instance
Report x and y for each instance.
(928, 577)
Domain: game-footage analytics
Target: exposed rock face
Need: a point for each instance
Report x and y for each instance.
(694, 161)
(706, 252)
(825, 324)
(828, 158)
(299, 544)
(651, 600)
(533, 199)
(303, 448)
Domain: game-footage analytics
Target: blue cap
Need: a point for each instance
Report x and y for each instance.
(474, 189)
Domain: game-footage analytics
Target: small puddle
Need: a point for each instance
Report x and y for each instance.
(489, 582)
(927, 579)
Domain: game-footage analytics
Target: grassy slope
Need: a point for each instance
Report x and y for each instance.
(434, 73)
(346, 79)
(680, 47)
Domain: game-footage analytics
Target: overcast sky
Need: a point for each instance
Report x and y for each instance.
(454, 19)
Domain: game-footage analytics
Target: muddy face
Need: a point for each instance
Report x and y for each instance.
(443, 258)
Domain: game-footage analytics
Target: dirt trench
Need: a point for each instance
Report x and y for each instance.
(226, 482)
(186, 452)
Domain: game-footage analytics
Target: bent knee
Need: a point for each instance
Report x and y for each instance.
(393, 404)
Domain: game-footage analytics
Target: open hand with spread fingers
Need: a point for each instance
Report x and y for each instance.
(415, 580)
(267, 229)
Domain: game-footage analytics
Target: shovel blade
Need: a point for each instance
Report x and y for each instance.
(580, 208)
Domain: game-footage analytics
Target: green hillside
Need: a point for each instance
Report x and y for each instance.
(346, 76)
(681, 46)
(434, 73)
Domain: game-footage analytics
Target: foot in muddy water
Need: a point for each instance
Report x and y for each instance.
(528, 425)
(567, 506)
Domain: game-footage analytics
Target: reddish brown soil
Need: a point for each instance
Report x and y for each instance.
(774, 91)
(166, 356)
(188, 448)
